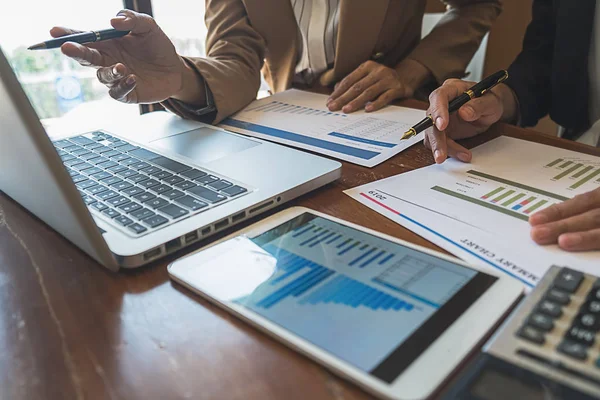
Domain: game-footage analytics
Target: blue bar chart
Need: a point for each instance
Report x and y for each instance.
(352, 293)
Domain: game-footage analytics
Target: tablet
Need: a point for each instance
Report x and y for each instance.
(395, 318)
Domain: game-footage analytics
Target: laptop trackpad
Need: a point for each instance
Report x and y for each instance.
(204, 145)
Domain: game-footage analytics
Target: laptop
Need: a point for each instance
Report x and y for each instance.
(148, 186)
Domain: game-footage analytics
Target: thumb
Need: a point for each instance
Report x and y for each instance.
(480, 107)
(137, 23)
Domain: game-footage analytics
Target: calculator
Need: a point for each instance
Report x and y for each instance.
(549, 348)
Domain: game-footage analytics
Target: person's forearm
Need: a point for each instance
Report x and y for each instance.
(193, 90)
(413, 74)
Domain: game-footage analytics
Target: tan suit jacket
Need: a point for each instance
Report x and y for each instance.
(245, 36)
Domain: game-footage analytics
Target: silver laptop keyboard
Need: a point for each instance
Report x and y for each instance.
(136, 190)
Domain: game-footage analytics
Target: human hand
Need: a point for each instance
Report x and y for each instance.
(142, 67)
(372, 86)
(574, 224)
(471, 119)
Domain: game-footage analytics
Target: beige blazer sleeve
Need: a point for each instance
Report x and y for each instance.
(234, 58)
(448, 49)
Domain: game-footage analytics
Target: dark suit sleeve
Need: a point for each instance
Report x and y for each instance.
(530, 73)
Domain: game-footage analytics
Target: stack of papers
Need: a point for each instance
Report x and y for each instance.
(480, 211)
(301, 119)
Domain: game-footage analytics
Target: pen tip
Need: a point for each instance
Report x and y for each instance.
(38, 46)
(408, 134)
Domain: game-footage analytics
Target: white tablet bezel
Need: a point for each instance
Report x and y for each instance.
(429, 370)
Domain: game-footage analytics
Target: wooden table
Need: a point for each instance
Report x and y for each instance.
(70, 329)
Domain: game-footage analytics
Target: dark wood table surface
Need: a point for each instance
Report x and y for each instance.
(70, 329)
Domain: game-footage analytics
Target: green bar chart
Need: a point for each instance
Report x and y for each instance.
(555, 162)
(586, 179)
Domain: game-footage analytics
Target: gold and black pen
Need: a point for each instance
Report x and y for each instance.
(479, 89)
(82, 37)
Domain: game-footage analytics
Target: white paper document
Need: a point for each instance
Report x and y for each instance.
(301, 119)
(479, 211)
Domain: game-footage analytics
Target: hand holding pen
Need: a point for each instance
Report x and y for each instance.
(471, 116)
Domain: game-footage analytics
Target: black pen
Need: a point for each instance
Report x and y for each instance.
(81, 38)
(479, 89)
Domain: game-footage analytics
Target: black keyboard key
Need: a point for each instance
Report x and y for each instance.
(78, 178)
(173, 194)
(138, 178)
(112, 139)
(205, 180)
(100, 160)
(92, 171)
(99, 206)
(194, 173)
(61, 144)
(144, 197)
(149, 183)
(117, 169)
(531, 334)
(191, 203)
(129, 161)
(88, 200)
(595, 294)
(220, 185)
(161, 189)
(573, 349)
(85, 184)
(130, 207)
(72, 163)
(72, 147)
(151, 170)
(558, 296)
(588, 321)
(541, 322)
(123, 220)
(234, 191)
(126, 173)
(142, 213)
(96, 189)
(81, 140)
(139, 165)
(127, 148)
(117, 201)
(171, 165)
(120, 158)
(121, 186)
(112, 153)
(89, 156)
(174, 211)
(185, 185)
(107, 195)
(155, 221)
(144, 154)
(101, 175)
(137, 228)
(118, 143)
(111, 213)
(581, 335)
(156, 203)
(207, 194)
(80, 152)
(82, 167)
(112, 180)
(550, 309)
(102, 149)
(107, 164)
(568, 280)
(133, 191)
(174, 180)
(67, 157)
(162, 175)
(93, 146)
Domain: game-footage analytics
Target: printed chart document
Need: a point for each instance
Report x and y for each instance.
(300, 119)
(480, 211)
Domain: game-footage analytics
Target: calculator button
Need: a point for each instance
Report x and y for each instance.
(531, 334)
(593, 307)
(573, 349)
(588, 321)
(595, 294)
(541, 322)
(558, 296)
(581, 335)
(551, 309)
(568, 280)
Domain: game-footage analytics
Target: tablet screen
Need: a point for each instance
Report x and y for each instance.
(370, 302)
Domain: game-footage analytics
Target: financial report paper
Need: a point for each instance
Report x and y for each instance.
(480, 211)
(301, 119)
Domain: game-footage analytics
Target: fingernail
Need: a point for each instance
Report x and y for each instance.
(437, 155)
(438, 122)
(542, 232)
(464, 157)
(369, 107)
(333, 105)
(469, 110)
(347, 109)
(329, 100)
(115, 71)
(571, 239)
(120, 17)
(540, 218)
(130, 80)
